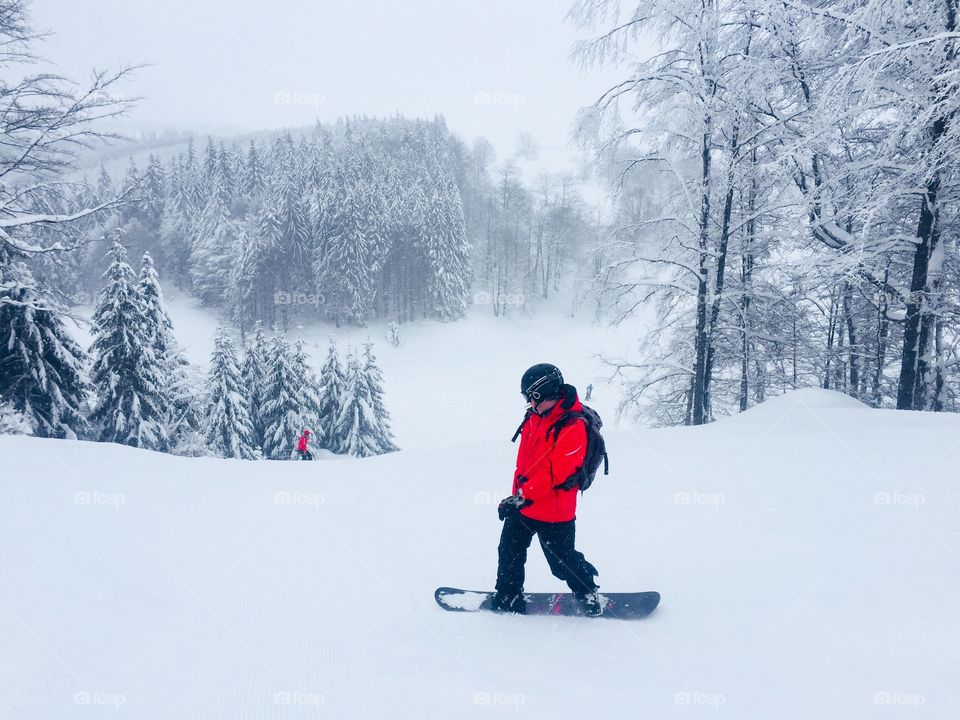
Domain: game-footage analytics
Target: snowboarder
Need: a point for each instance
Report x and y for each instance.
(547, 458)
(305, 453)
(589, 392)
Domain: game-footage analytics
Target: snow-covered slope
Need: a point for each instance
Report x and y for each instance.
(807, 553)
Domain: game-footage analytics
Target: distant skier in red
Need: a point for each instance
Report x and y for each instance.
(302, 448)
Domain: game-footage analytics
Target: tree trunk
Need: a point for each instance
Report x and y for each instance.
(701, 336)
(852, 346)
(911, 390)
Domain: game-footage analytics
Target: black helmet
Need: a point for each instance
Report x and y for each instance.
(541, 382)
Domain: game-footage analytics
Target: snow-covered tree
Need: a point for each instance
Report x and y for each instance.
(229, 432)
(357, 424)
(128, 380)
(373, 379)
(282, 413)
(254, 374)
(331, 388)
(158, 331)
(393, 333)
(310, 398)
(42, 373)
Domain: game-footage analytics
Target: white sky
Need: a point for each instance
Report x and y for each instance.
(491, 67)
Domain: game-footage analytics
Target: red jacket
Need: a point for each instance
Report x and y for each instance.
(302, 445)
(546, 463)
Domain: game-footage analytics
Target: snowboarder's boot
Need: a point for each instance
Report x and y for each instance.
(509, 603)
(589, 604)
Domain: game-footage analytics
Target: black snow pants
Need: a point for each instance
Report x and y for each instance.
(557, 541)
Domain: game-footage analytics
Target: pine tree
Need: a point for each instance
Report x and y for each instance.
(127, 378)
(310, 401)
(41, 367)
(357, 422)
(282, 414)
(105, 189)
(254, 373)
(229, 432)
(176, 226)
(158, 331)
(373, 379)
(215, 247)
(332, 386)
(448, 251)
(340, 262)
(252, 180)
(154, 193)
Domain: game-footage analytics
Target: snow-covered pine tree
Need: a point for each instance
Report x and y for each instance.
(340, 262)
(215, 243)
(176, 227)
(309, 393)
(128, 380)
(282, 413)
(254, 374)
(174, 368)
(154, 193)
(252, 179)
(447, 250)
(41, 367)
(357, 422)
(105, 189)
(133, 185)
(332, 386)
(229, 432)
(374, 380)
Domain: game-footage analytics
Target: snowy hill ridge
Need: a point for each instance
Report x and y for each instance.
(160, 587)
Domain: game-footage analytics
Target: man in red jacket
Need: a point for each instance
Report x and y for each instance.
(548, 456)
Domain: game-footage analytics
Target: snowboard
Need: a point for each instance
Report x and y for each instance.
(620, 606)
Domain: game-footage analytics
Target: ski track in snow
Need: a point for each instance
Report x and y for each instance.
(807, 553)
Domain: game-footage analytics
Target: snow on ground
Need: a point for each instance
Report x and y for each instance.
(807, 553)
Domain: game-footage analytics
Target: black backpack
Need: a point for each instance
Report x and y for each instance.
(596, 453)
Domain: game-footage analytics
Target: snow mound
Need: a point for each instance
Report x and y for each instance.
(810, 399)
(807, 554)
(797, 409)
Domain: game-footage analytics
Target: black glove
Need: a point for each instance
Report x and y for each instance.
(511, 506)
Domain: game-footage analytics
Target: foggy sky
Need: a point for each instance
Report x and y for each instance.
(492, 68)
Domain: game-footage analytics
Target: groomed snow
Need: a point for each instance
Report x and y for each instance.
(807, 553)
